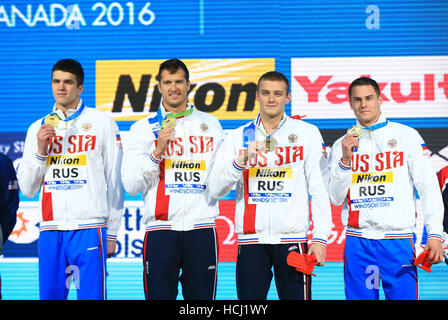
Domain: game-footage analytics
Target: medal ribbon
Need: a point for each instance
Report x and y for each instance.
(159, 118)
(71, 117)
(374, 127)
(377, 126)
(248, 134)
(180, 114)
(76, 114)
(258, 123)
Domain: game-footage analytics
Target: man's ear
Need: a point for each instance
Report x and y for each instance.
(80, 89)
(288, 97)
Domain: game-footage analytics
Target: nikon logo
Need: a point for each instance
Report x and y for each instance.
(371, 178)
(186, 165)
(225, 87)
(268, 173)
(66, 160)
(374, 177)
(217, 92)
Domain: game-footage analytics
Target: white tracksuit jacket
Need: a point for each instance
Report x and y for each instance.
(80, 180)
(273, 190)
(378, 190)
(174, 188)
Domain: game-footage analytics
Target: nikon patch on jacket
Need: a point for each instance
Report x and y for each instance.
(185, 176)
(272, 185)
(372, 190)
(66, 172)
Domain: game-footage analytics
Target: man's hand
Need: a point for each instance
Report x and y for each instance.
(349, 143)
(165, 135)
(436, 251)
(252, 150)
(111, 247)
(44, 135)
(319, 251)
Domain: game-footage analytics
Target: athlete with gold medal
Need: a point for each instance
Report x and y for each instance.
(276, 163)
(72, 157)
(376, 169)
(168, 158)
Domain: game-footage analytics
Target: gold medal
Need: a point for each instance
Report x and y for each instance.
(169, 123)
(52, 120)
(355, 130)
(270, 144)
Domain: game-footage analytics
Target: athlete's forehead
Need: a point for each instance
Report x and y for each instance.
(63, 76)
(272, 86)
(167, 75)
(363, 91)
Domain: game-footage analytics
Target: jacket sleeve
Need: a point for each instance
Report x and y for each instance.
(425, 182)
(140, 171)
(9, 197)
(226, 171)
(32, 168)
(442, 176)
(113, 154)
(340, 176)
(316, 172)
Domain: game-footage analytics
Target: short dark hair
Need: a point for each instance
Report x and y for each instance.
(274, 76)
(72, 66)
(364, 81)
(172, 65)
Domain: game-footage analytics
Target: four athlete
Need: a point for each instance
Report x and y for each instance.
(182, 162)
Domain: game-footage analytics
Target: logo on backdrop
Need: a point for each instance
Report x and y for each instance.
(410, 86)
(224, 87)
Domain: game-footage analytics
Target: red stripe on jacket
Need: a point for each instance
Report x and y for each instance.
(353, 215)
(47, 205)
(162, 200)
(249, 209)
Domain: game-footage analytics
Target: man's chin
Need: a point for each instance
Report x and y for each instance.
(175, 104)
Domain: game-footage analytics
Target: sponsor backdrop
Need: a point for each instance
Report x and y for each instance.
(320, 45)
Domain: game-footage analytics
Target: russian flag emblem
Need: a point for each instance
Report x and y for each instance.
(118, 140)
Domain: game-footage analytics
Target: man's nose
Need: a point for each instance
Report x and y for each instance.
(173, 86)
(363, 103)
